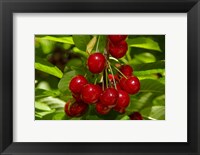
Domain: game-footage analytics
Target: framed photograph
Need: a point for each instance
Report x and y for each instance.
(99, 77)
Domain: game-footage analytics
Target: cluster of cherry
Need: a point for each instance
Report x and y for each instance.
(113, 91)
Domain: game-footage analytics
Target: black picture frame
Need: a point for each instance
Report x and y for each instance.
(8, 7)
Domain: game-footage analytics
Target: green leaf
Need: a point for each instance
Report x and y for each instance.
(42, 106)
(67, 40)
(45, 66)
(159, 100)
(81, 41)
(154, 112)
(74, 62)
(125, 118)
(47, 46)
(148, 72)
(59, 116)
(91, 44)
(139, 101)
(144, 42)
(149, 66)
(44, 113)
(41, 93)
(102, 40)
(80, 52)
(53, 103)
(149, 85)
(63, 84)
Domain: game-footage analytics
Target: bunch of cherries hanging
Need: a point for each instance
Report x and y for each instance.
(113, 91)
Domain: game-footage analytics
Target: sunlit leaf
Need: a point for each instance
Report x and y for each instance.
(148, 72)
(144, 42)
(45, 66)
(67, 40)
(41, 93)
(42, 106)
(155, 112)
(91, 44)
(43, 113)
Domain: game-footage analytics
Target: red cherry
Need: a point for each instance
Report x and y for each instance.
(123, 99)
(77, 83)
(127, 70)
(90, 93)
(122, 82)
(109, 97)
(118, 86)
(132, 85)
(110, 77)
(102, 109)
(118, 50)
(77, 97)
(96, 63)
(120, 110)
(76, 109)
(116, 38)
(66, 108)
(136, 116)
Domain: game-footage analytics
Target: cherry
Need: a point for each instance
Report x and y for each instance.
(110, 77)
(116, 38)
(118, 50)
(118, 86)
(109, 97)
(131, 85)
(122, 82)
(77, 83)
(66, 108)
(120, 110)
(90, 93)
(136, 116)
(123, 99)
(76, 109)
(77, 97)
(102, 109)
(96, 63)
(127, 70)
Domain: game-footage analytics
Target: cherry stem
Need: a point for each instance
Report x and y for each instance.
(97, 47)
(120, 72)
(95, 82)
(106, 77)
(112, 74)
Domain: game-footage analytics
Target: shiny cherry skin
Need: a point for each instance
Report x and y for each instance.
(109, 97)
(90, 93)
(127, 70)
(136, 116)
(96, 63)
(118, 50)
(102, 109)
(132, 85)
(77, 83)
(116, 38)
(76, 109)
(123, 99)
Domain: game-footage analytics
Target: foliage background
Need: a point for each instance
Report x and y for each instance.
(60, 57)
